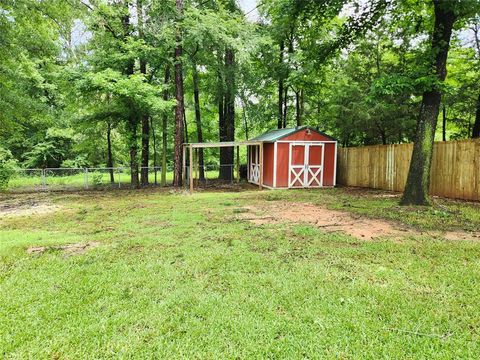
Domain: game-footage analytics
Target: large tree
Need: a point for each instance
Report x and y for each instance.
(179, 96)
(418, 180)
(476, 33)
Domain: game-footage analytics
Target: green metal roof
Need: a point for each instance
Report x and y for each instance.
(274, 135)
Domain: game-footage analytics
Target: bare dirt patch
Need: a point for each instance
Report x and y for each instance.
(68, 249)
(329, 220)
(354, 225)
(458, 235)
(25, 207)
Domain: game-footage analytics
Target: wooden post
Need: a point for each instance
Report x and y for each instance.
(260, 161)
(248, 163)
(195, 163)
(238, 164)
(184, 163)
(476, 170)
(191, 168)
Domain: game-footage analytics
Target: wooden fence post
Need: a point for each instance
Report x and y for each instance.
(238, 164)
(190, 168)
(184, 163)
(260, 161)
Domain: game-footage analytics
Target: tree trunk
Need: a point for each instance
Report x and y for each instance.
(383, 135)
(132, 121)
(132, 126)
(227, 131)
(185, 127)
(109, 152)
(418, 180)
(132, 130)
(179, 108)
(298, 115)
(476, 125)
(280, 86)
(198, 120)
(285, 95)
(221, 123)
(145, 149)
(155, 161)
(444, 123)
(164, 129)
(245, 122)
(144, 117)
(220, 97)
(302, 104)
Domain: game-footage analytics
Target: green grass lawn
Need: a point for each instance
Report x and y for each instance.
(180, 276)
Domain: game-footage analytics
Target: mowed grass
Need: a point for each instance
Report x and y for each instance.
(180, 276)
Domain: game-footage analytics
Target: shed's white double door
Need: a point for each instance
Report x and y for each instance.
(305, 165)
(254, 164)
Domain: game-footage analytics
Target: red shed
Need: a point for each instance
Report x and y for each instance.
(300, 157)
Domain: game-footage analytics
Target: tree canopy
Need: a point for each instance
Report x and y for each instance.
(97, 82)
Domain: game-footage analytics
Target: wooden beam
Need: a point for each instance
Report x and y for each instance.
(260, 161)
(195, 162)
(190, 168)
(184, 163)
(223, 144)
(248, 163)
(238, 164)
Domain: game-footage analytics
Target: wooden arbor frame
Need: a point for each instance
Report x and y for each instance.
(233, 144)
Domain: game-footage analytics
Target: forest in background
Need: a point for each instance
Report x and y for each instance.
(126, 82)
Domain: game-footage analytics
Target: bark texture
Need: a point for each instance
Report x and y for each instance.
(155, 158)
(418, 180)
(444, 123)
(132, 126)
(144, 117)
(132, 121)
(280, 85)
(179, 108)
(476, 125)
(164, 129)
(227, 125)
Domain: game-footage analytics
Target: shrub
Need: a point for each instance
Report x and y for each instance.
(97, 179)
(79, 162)
(7, 168)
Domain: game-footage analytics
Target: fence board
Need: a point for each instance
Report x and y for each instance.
(455, 168)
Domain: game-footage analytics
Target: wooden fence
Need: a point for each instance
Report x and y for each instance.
(455, 168)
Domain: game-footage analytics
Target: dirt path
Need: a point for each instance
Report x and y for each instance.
(354, 225)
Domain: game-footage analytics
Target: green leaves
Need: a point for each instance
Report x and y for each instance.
(392, 84)
(8, 164)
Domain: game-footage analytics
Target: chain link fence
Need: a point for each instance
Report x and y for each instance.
(56, 179)
(98, 178)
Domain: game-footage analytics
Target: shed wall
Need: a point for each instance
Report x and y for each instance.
(329, 165)
(282, 164)
(268, 159)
